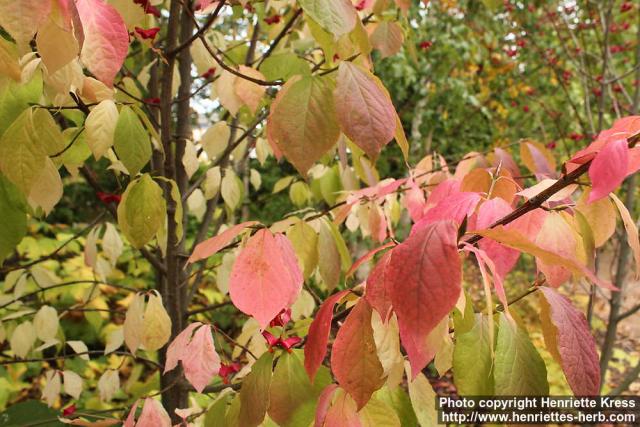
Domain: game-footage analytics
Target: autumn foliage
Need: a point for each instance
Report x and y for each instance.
(180, 303)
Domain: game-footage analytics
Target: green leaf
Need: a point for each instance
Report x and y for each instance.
(401, 404)
(336, 16)
(283, 66)
(30, 413)
(292, 396)
(142, 211)
(472, 359)
(48, 132)
(302, 122)
(13, 225)
(377, 413)
(215, 414)
(304, 241)
(518, 370)
(22, 156)
(329, 261)
(254, 395)
(131, 141)
(15, 98)
(423, 399)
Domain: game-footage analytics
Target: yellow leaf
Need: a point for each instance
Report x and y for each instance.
(156, 329)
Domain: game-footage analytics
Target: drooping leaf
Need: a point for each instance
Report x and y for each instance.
(200, 360)
(302, 123)
(254, 394)
(473, 359)
(57, 45)
(100, 127)
(22, 19)
(387, 37)
(292, 396)
(153, 415)
(131, 141)
(556, 235)
(336, 16)
(142, 211)
(265, 277)
(633, 240)
(601, 217)
(329, 262)
(424, 282)
(423, 399)
(156, 326)
(518, 369)
(134, 323)
(13, 226)
(211, 246)
(354, 359)
(46, 323)
(365, 113)
(569, 339)
(106, 40)
(22, 155)
(343, 412)
(608, 169)
(378, 413)
(377, 293)
(315, 348)
(304, 240)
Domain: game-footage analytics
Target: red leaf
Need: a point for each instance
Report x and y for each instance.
(377, 293)
(354, 359)
(270, 338)
(365, 113)
(265, 277)
(366, 257)
(571, 343)
(213, 245)
(424, 281)
(316, 346)
(106, 40)
(608, 169)
(504, 258)
(455, 207)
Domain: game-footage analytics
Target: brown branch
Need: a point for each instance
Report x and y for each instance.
(280, 36)
(200, 32)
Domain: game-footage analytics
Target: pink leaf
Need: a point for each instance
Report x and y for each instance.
(573, 343)
(106, 40)
(131, 420)
(377, 293)
(153, 415)
(316, 346)
(177, 349)
(424, 281)
(200, 361)
(265, 277)
(504, 258)
(365, 113)
(455, 207)
(211, 246)
(324, 401)
(414, 201)
(608, 169)
(354, 359)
